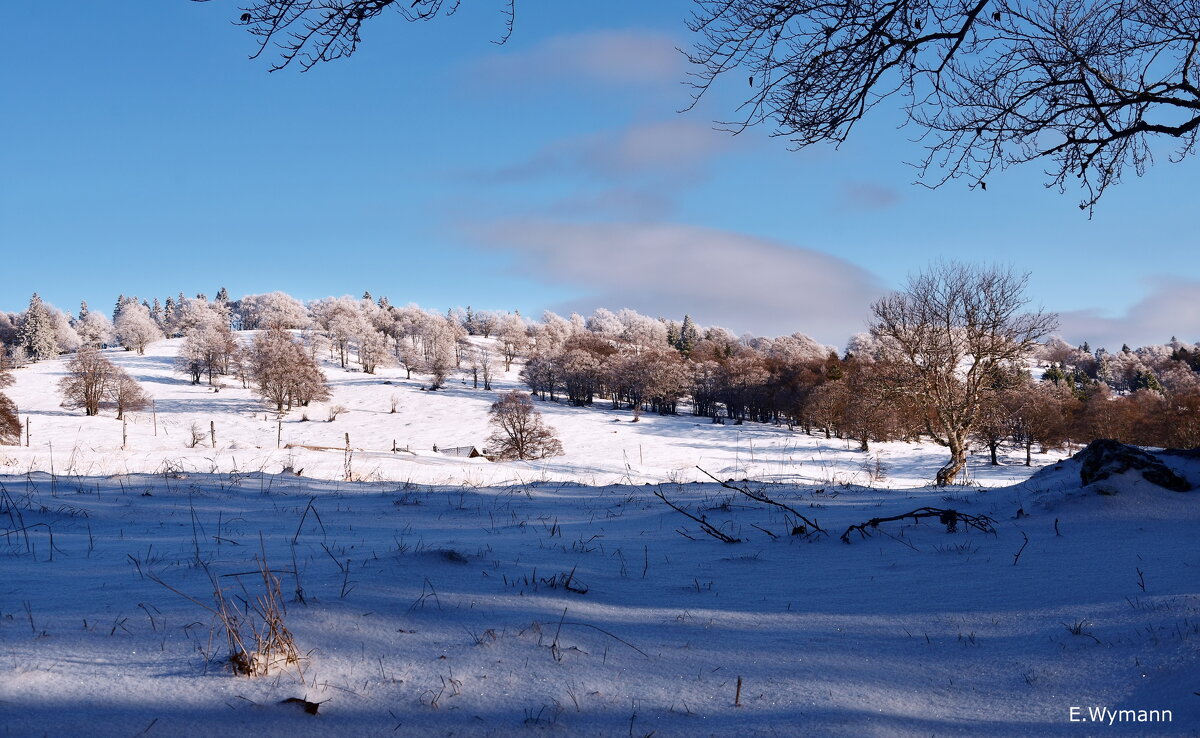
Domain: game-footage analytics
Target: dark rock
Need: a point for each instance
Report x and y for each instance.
(1105, 457)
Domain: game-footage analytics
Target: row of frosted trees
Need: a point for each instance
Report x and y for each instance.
(627, 360)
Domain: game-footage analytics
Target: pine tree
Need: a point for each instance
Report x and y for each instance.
(673, 334)
(689, 335)
(36, 333)
(168, 319)
(1145, 379)
(83, 310)
(222, 295)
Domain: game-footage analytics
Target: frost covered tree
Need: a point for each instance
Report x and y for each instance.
(88, 380)
(518, 430)
(208, 347)
(134, 327)
(342, 321)
(94, 329)
(66, 339)
(953, 327)
(36, 330)
(512, 334)
(284, 373)
(372, 349)
(481, 363)
(439, 361)
(272, 310)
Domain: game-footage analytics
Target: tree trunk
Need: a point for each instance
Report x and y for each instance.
(992, 447)
(958, 459)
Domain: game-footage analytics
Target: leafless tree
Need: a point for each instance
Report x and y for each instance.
(124, 393)
(1085, 87)
(284, 373)
(88, 381)
(10, 424)
(518, 430)
(953, 328)
(207, 351)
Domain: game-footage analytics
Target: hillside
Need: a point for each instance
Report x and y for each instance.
(602, 446)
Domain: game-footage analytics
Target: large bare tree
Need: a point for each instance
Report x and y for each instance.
(954, 329)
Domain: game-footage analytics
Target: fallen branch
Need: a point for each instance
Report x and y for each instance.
(949, 518)
(704, 524)
(759, 497)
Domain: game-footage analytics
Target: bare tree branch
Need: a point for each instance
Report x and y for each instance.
(1086, 86)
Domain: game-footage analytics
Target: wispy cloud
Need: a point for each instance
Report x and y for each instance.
(612, 56)
(867, 196)
(670, 149)
(1171, 307)
(720, 278)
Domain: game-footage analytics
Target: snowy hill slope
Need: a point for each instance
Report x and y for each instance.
(456, 596)
(546, 608)
(602, 446)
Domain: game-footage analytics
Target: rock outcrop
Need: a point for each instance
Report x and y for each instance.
(1105, 458)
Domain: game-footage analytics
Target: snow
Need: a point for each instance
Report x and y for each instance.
(432, 589)
(602, 446)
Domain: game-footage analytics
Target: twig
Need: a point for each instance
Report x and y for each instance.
(704, 524)
(950, 518)
(1017, 555)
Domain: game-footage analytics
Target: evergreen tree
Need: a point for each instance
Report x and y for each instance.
(83, 310)
(1146, 380)
(168, 319)
(223, 296)
(36, 333)
(689, 335)
(673, 334)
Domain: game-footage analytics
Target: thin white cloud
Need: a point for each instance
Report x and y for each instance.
(1171, 307)
(720, 278)
(673, 149)
(614, 56)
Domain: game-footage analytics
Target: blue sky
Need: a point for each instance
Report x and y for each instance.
(145, 154)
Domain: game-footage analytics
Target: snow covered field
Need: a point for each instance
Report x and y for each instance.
(441, 596)
(602, 446)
